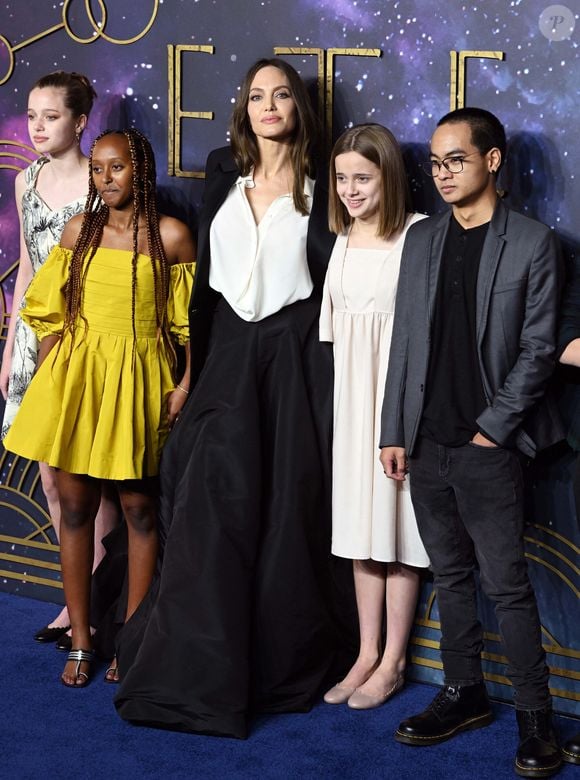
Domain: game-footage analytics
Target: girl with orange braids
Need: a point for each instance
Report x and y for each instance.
(110, 300)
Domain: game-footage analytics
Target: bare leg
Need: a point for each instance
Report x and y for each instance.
(79, 502)
(369, 583)
(402, 589)
(139, 503)
(48, 480)
(107, 518)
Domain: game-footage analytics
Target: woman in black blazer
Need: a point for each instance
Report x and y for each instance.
(242, 617)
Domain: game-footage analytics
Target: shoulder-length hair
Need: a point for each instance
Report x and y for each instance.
(243, 139)
(378, 145)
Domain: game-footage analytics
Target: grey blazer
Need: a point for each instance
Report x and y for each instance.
(518, 294)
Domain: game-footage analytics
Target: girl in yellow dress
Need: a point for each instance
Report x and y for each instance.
(48, 193)
(106, 305)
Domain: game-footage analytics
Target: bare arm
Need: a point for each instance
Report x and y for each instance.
(23, 278)
(46, 345)
(178, 396)
(71, 231)
(179, 247)
(178, 241)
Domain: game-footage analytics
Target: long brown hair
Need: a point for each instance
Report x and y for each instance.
(95, 218)
(244, 145)
(378, 145)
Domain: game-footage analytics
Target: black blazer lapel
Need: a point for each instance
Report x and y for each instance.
(320, 240)
(221, 173)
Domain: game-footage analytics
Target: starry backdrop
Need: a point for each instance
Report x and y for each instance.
(535, 90)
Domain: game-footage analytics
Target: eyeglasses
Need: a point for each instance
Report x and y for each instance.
(451, 164)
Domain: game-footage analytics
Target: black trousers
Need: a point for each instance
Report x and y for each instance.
(469, 506)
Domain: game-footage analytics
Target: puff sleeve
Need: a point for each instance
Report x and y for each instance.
(180, 287)
(44, 302)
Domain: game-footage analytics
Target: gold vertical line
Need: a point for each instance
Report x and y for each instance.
(179, 114)
(464, 55)
(320, 70)
(329, 81)
(177, 110)
(453, 81)
(171, 110)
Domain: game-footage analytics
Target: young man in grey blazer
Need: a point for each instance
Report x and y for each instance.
(472, 351)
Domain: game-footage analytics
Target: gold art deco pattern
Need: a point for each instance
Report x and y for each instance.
(28, 551)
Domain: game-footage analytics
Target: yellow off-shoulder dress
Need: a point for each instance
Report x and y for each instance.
(96, 406)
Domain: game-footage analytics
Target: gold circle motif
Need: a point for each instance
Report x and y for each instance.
(8, 46)
(99, 27)
(98, 30)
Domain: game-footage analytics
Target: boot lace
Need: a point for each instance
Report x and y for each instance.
(444, 698)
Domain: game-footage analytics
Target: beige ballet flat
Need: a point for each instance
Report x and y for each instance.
(363, 701)
(338, 694)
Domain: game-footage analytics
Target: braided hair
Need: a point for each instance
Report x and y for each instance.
(95, 218)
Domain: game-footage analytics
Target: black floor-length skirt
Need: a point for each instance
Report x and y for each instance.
(245, 614)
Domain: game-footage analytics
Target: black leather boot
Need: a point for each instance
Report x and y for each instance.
(538, 752)
(571, 750)
(454, 709)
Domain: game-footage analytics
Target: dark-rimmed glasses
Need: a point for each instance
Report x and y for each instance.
(452, 164)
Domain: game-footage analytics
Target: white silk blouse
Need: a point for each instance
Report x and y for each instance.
(259, 268)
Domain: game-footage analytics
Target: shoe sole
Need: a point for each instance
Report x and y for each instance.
(468, 725)
(44, 640)
(544, 771)
(570, 758)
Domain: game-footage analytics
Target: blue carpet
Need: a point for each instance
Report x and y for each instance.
(48, 730)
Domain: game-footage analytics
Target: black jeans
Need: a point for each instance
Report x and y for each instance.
(469, 506)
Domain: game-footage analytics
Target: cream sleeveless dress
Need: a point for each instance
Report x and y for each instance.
(372, 516)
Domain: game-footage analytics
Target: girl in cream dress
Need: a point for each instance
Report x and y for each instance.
(373, 521)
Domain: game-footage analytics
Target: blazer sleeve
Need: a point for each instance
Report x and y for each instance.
(392, 420)
(526, 382)
(220, 172)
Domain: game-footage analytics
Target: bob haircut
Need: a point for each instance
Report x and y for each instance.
(487, 132)
(378, 145)
(244, 145)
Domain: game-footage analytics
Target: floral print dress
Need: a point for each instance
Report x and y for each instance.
(42, 227)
